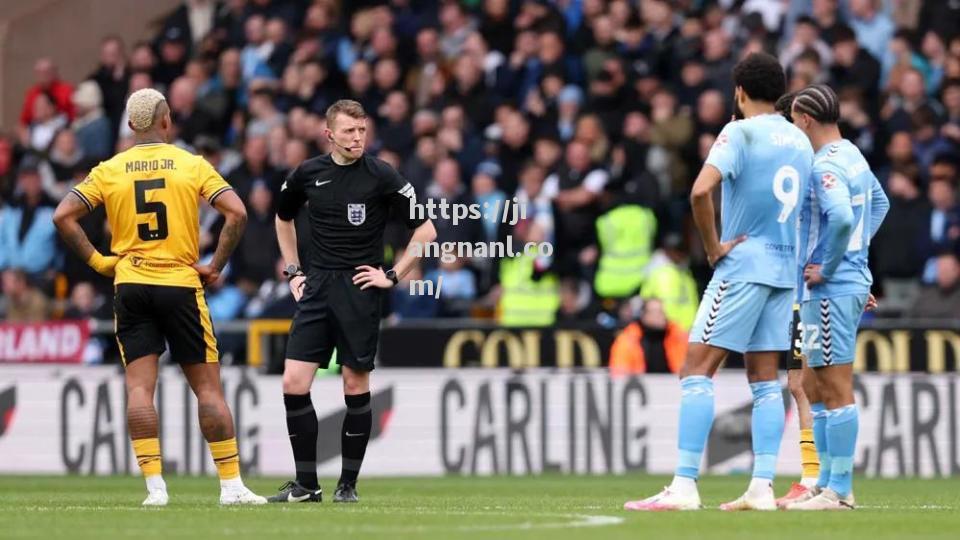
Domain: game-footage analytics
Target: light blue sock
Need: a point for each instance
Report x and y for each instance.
(696, 419)
(842, 427)
(820, 439)
(766, 427)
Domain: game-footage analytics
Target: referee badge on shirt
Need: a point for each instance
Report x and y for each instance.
(356, 213)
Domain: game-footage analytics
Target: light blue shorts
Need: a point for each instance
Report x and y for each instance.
(830, 329)
(744, 317)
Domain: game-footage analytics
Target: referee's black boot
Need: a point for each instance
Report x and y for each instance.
(346, 493)
(294, 492)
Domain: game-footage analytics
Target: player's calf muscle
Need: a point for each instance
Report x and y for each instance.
(215, 421)
(142, 421)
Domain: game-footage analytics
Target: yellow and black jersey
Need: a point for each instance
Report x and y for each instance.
(152, 194)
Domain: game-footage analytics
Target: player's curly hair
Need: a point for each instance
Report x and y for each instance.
(820, 102)
(761, 77)
(145, 107)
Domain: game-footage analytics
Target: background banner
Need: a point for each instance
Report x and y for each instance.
(58, 341)
(880, 348)
(56, 419)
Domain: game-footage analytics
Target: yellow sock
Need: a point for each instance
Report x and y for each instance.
(227, 458)
(148, 456)
(808, 455)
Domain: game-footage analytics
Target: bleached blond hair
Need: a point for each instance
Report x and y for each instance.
(142, 108)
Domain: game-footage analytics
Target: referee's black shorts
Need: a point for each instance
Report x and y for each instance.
(794, 357)
(147, 317)
(333, 313)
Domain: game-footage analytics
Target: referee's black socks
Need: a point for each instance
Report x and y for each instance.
(302, 427)
(355, 434)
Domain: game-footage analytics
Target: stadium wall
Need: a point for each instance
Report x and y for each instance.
(69, 32)
(58, 420)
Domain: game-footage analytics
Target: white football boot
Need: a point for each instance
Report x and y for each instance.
(666, 501)
(828, 499)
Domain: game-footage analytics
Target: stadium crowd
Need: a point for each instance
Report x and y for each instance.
(595, 114)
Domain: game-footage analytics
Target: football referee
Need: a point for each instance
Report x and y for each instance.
(350, 195)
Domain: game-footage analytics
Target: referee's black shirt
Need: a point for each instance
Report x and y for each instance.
(348, 208)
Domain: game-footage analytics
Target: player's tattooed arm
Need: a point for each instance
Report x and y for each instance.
(66, 218)
(230, 205)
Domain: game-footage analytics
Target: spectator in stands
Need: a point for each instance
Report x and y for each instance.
(94, 131)
(272, 300)
(253, 261)
(189, 120)
(941, 300)
(48, 83)
(899, 245)
(7, 169)
(23, 302)
(63, 160)
(173, 49)
(28, 239)
(806, 36)
(944, 231)
(86, 303)
(254, 167)
(575, 190)
(873, 27)
(264, 116)
(458, 286)
(951, 103)
(854, 66)
(46, 120)
(112, 77)
(406, 304)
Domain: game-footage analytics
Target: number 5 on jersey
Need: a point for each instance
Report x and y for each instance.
(155, 208)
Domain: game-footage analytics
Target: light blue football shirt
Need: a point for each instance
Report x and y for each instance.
(841, 176)
(765, 162)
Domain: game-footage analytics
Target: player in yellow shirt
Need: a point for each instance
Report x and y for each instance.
(151, 193)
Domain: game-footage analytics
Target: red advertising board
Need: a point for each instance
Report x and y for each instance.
(48, 342)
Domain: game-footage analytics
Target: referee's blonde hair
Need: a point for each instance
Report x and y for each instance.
(143, 107)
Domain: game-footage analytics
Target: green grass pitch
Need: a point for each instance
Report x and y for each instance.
(552, 507)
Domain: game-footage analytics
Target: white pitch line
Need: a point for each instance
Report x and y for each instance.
(912, 507)
(568, 520)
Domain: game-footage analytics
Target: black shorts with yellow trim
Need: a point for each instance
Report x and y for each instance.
(147, 317)
(793, 359)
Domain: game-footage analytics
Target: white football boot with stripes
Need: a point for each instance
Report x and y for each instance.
(828, 499)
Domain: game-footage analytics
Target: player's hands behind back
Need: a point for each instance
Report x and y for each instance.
(371, 277)
(208, 273)
(725, 248)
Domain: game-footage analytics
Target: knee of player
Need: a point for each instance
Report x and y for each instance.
(296, 383)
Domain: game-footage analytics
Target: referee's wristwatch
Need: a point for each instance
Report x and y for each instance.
(292, 271)
(392, 276)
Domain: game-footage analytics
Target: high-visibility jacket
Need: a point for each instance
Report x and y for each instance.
(625, 235)
(524, 301)
(675, 287)
(627, 356)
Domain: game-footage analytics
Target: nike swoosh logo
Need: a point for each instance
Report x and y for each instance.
(291, 498)
(354, 434)
(319, 183)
